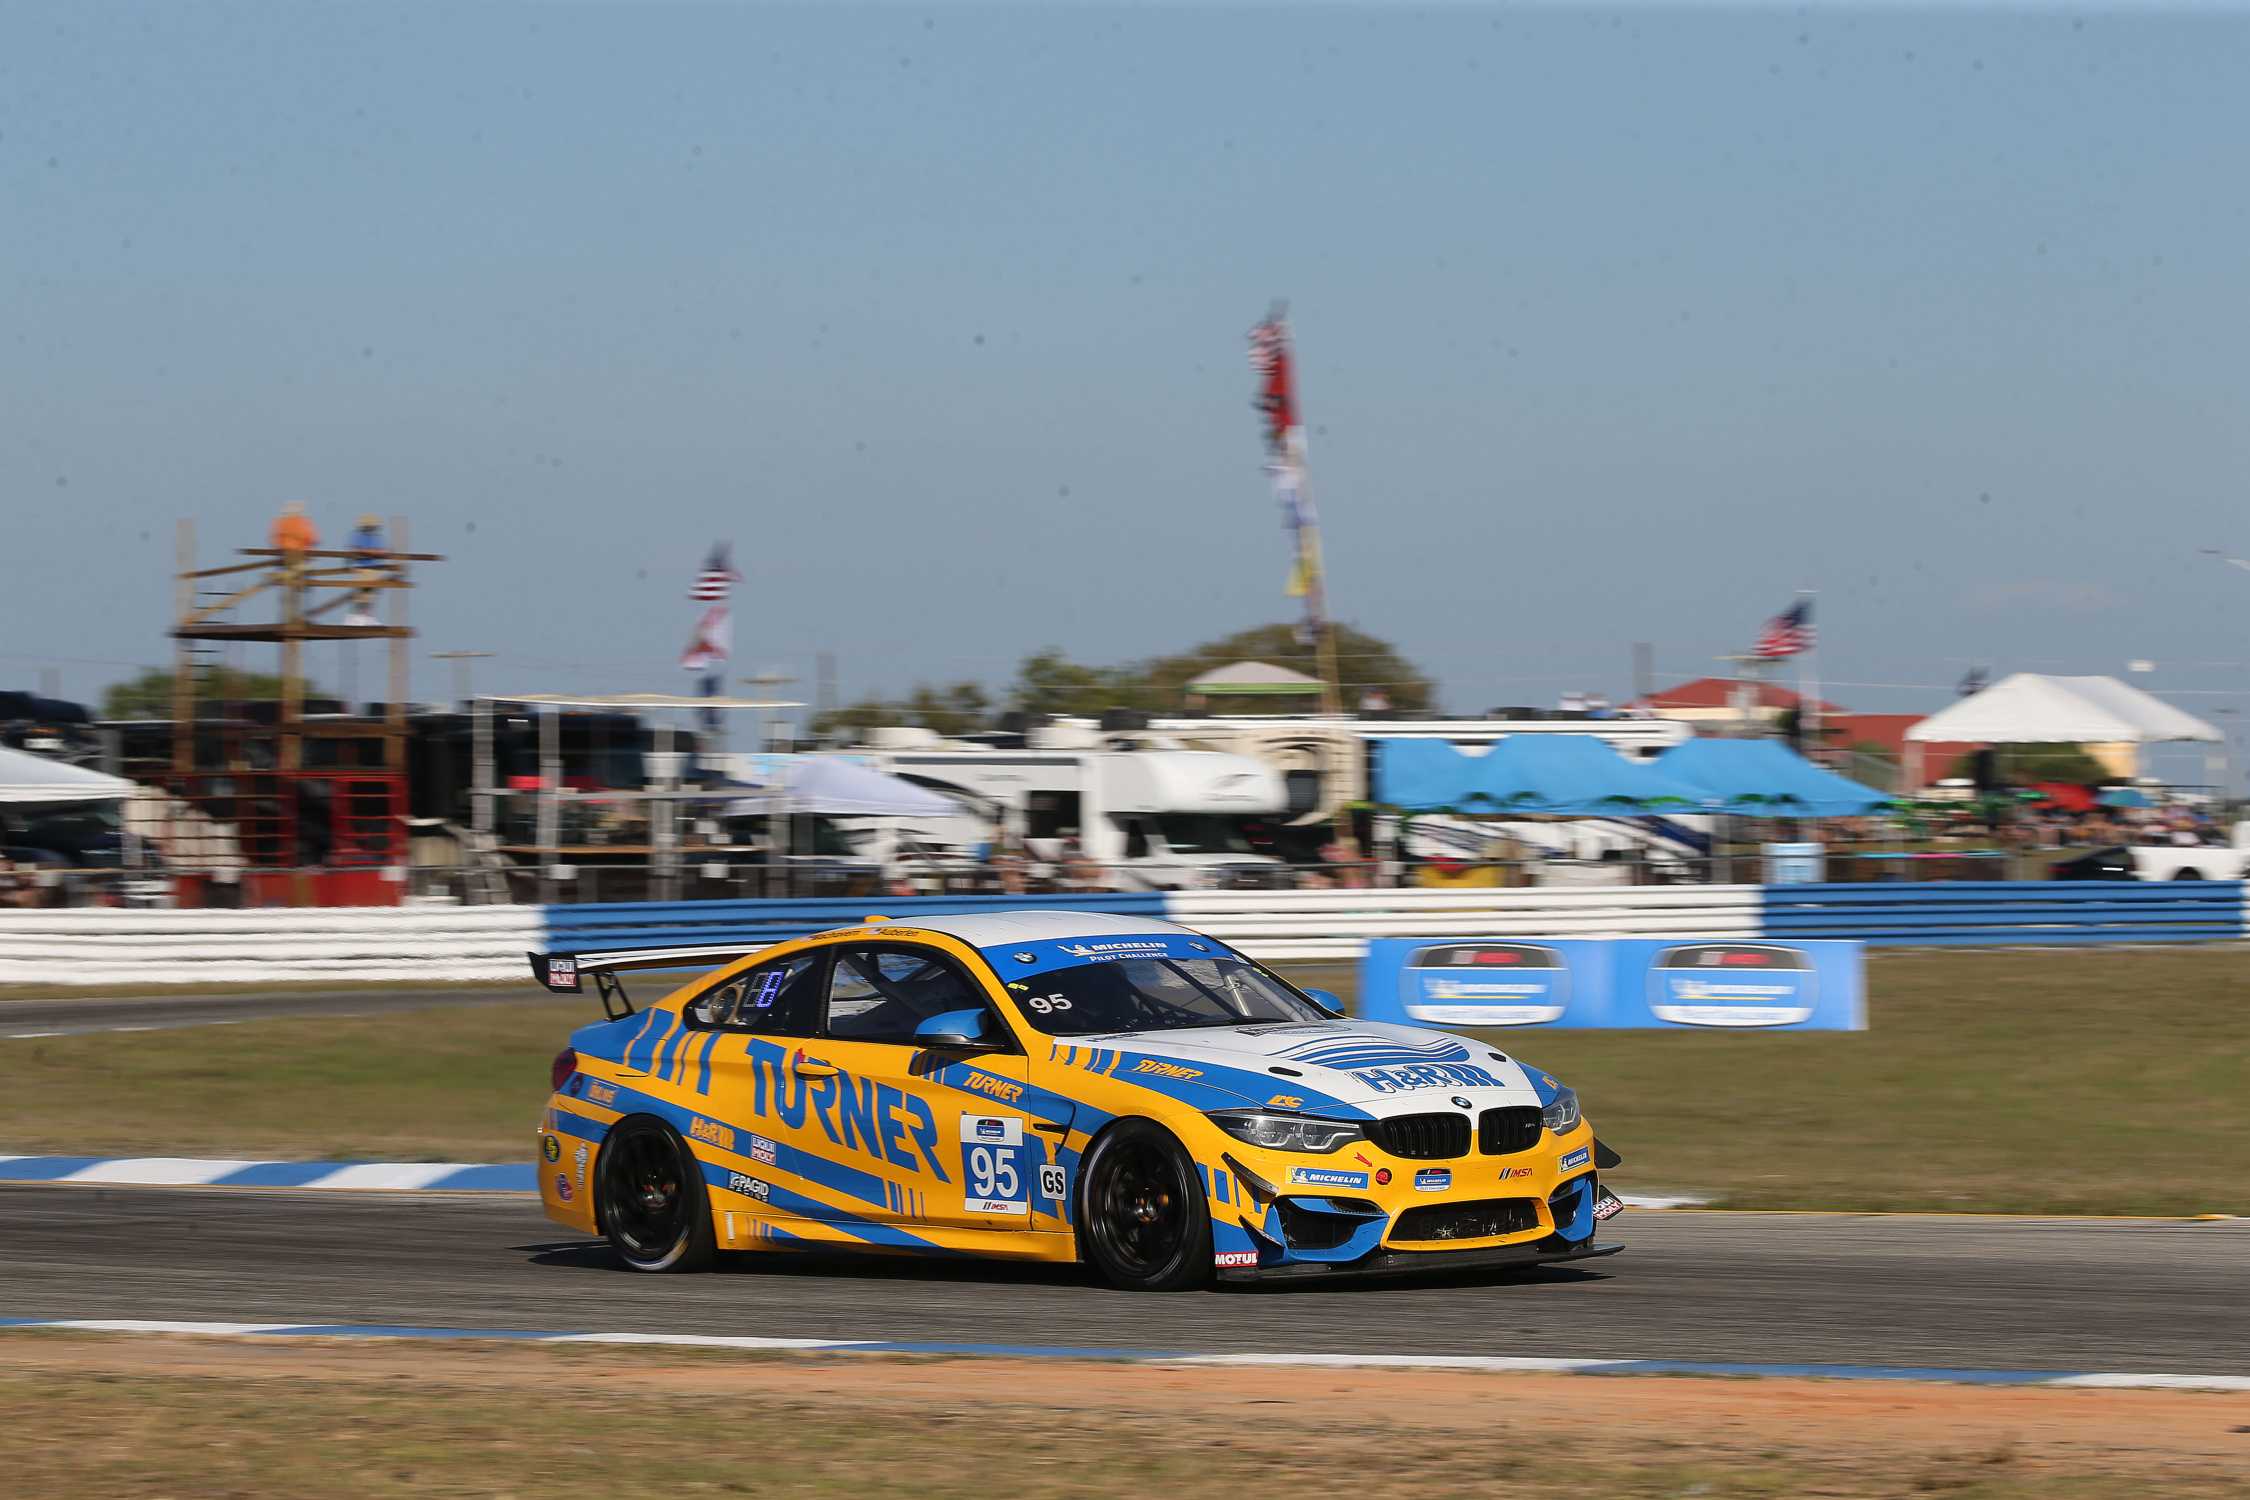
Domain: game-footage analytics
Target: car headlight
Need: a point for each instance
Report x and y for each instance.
(1561, 1113)
(1285, 1132)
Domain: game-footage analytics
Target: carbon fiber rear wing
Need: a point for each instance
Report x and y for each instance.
(566, 973)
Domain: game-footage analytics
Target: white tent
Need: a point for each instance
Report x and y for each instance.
(1253, 677)
(2030, 709)
(36, 779)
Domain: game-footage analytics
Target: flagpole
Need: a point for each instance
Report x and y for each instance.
(1272, 356)
(1808, 680)
(1316, 599)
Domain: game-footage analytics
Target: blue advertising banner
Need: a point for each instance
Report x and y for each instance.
(1496, 982)
(1615, 983)
(1812, 986)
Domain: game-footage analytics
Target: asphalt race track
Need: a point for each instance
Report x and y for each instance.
(1800, 1288)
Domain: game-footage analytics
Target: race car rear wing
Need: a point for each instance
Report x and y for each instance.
(566, 973)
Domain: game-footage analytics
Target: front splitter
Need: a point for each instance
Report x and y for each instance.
(1418, 1262)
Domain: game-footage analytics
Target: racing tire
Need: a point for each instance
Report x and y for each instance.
(649, 1198)
(1143, 1222)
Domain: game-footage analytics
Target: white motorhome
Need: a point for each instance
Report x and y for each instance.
(1153, 814)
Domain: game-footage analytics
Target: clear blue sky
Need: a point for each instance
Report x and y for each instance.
(1616, 325)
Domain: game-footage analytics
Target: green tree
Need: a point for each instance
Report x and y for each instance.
(149, 695)
(957, 708)
(1049, 682)
(2023, 764)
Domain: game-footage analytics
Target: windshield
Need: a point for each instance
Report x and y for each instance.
(1157, 994)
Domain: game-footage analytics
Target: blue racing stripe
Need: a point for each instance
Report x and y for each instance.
(633, 1045)
(865, 1186)
(578, 1126)
(798, 1206)
(660, 1060)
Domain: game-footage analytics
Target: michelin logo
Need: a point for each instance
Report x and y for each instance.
(1143, 948)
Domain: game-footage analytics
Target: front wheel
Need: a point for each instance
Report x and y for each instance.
(1142, 1221)
(649, 1192)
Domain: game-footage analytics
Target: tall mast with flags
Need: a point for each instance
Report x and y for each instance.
(1275, 362)
(1791, 634)
(713, 642)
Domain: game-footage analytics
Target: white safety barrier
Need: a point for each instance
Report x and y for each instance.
(94, 945)
(1337, 924)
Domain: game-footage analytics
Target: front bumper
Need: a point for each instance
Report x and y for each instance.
(1366, 1212)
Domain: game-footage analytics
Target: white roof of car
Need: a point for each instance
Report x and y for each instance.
(992, 929)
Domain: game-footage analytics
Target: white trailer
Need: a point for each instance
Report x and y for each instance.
(1154, 816)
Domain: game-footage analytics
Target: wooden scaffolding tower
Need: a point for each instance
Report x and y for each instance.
(255, 776)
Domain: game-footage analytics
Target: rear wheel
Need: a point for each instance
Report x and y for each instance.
(649, 1191)
(1142, 1219)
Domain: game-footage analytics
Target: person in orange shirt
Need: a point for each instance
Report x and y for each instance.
(293, 531)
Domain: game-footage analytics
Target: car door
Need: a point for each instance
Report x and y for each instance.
(762, 1157)
(945, 1125)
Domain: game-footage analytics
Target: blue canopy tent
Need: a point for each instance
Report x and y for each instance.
(1766, 779)
(1575, 775)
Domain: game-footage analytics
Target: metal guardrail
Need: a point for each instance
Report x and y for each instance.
(110, 945)
(445, 942)
(1981, 912)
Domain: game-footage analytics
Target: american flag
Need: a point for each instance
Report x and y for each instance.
(1787, 633)
(717, 576)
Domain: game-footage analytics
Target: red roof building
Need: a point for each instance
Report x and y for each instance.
(1887, 733)
(1706, 695)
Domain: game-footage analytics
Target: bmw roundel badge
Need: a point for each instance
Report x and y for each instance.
(1024, 958)
(1462, 1103)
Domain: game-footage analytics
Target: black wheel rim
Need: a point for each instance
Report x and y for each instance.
(1140, 1208)
(646, 1203)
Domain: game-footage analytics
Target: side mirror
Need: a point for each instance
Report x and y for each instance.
(954, 1028)
(1328, 999)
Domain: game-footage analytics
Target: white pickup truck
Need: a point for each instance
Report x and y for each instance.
(2162, 861)
(2192, 861)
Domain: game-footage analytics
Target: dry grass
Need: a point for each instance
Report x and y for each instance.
(146, 1417)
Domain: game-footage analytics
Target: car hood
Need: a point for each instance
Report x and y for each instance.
(1371, 1065)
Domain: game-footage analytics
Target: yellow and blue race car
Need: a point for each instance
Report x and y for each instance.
(1049, 1086)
